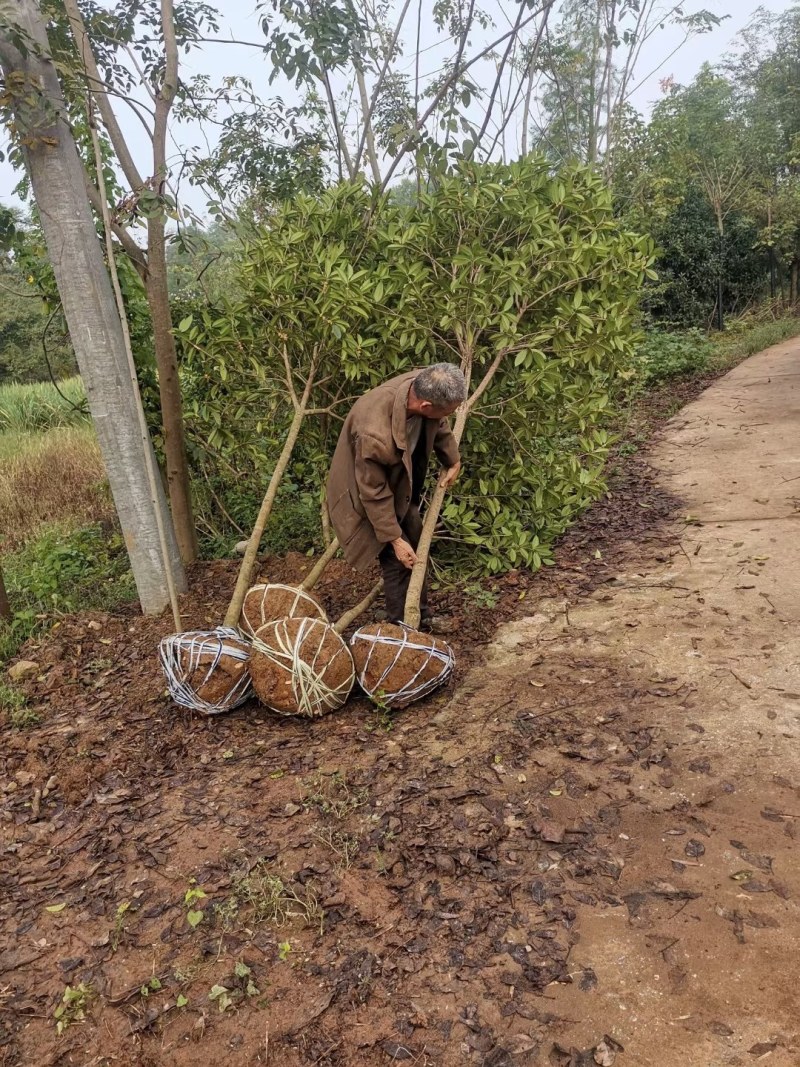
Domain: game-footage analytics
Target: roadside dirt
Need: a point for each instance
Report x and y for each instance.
(580, 853)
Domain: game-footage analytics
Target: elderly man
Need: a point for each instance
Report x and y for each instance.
(378, 470)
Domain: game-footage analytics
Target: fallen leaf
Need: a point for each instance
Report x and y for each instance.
(519, 1044)
(762, 1048)
(397, 1051)
(54, 909)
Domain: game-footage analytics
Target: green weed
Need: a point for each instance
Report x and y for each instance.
(15, 704)
(73, 1007)
(266, 898)
(63, 570)
(333, 795)
(343, 845)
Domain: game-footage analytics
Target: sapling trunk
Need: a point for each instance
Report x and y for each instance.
(413, 614)
(351, 615)
(245, 577)
(315, 573)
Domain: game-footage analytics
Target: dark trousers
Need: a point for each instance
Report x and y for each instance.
(395, 576)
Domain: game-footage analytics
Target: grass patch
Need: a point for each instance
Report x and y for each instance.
(15, 705)
(333, 795)
(39, 406)
(54, 475)
(745, 337)
(63, 570)
(263, 897)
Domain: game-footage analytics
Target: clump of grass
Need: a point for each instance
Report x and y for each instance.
(744, 338)
(37, 406)
(57, 475)
(63, 570)
(15, 705)
(344, 846)
(266, 898)
(333, 795)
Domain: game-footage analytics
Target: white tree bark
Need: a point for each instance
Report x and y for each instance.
(58, 183)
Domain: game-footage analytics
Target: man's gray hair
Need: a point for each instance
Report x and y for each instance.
(443, 385)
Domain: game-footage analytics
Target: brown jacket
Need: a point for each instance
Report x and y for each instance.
(369, 485)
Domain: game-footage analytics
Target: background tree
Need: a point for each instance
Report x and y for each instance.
(35, 106)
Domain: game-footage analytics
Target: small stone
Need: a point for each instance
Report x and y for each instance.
(23, 669)
(240, 547)
(95, 625)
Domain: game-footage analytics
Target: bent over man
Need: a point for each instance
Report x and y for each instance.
(378, 471)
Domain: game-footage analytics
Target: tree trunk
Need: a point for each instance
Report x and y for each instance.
(5, 607)
(794, 278)
(412, 614)
(180, 494)
(169, 388)
(369, 136)
(248, 563)
(58, 181)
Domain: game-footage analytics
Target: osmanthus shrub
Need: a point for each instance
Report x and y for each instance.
(525, 277)
(520, 274)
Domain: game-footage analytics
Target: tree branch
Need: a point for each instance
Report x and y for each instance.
(92, 71)
(457, 72)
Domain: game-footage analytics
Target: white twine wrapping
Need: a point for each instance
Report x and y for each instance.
(412, 640)
(300, 596)
(312, 694)
(184, 655)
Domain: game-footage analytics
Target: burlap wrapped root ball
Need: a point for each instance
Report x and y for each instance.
(207, 670)
(267, 603)
(396, 665)
(301, 667)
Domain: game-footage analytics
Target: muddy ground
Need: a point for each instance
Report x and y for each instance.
(580, 853)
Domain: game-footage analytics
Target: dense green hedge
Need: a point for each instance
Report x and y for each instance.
(508, 265)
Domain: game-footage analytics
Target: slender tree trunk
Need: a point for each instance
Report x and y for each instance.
(58, 181)
(526, 112)
(169, 387)
(794, 279)
(315, 573)
(369, 137)
(248, 563)
(153, 270)
(350, 616)
(721, 253)
(412, 614)
(5, 607)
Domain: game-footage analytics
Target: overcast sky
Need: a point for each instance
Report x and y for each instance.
(241, 22)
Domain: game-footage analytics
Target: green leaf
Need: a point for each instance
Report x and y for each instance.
(181, 1001)
(194, 918)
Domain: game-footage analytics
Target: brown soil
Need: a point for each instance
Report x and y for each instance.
(397, 666)
(215, 674)
(581, 852)
(325, 680)
(266, 603)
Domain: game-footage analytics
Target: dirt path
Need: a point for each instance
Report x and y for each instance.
(712, 632)
(582, 855)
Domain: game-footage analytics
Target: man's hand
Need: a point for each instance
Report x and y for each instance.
(404, 552)
(450, 475)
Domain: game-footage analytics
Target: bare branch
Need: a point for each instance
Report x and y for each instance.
(449, 82)
(379, 84)
(89, 64)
